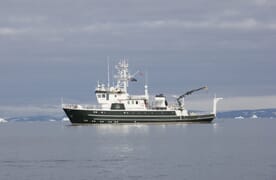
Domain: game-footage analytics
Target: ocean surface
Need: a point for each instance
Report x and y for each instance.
(227, 149)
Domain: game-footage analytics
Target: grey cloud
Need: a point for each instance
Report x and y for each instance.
(119, 17)
(9, 31)
(228, 44)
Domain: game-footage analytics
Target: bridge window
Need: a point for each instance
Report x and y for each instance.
(118, 106)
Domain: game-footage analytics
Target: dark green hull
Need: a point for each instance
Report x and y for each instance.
(78, 116)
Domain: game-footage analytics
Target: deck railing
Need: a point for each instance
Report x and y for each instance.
(81, 106)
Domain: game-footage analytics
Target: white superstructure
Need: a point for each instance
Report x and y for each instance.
(119, 93)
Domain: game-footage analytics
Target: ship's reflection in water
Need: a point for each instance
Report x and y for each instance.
(135, 128)
(215, 127)
(122, 128)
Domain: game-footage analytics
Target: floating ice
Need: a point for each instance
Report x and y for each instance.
(239, 117)
(65, 119)
(254, 116)
(3, 120)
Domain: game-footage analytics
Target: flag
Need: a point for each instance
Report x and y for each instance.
(132, 79)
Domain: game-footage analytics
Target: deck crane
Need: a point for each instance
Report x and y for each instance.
(188, 93)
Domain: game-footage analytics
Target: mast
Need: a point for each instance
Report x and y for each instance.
(108, 73)
(146, 86)
(122, 75)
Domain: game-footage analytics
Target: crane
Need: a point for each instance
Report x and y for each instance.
(188, 93)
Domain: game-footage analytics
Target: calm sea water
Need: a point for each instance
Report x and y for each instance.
(227, 149)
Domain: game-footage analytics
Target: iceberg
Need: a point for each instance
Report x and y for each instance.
(3, 120)
(254, 116)
(65, 119)
(239, 117)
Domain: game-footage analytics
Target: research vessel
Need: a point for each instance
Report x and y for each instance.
(116, 105)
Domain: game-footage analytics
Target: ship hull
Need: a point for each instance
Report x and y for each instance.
(79, 116)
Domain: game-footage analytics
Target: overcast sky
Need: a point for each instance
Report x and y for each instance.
(58, 48)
